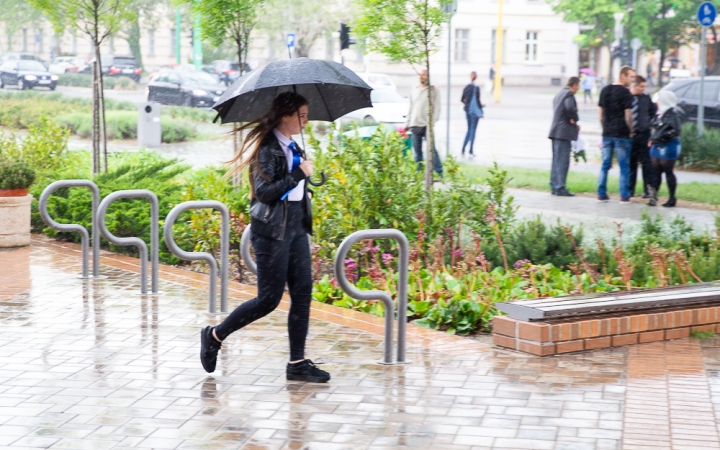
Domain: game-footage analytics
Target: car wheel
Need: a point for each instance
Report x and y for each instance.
(187, 101)
(369, 120)
(21, 84)
(52, 87)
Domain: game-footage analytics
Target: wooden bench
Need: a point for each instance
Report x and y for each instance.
(549, 326)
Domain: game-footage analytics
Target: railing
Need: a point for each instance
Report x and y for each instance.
(202, 256)
(135, 241)
(75, 228)
(245, 250)
(352, 291)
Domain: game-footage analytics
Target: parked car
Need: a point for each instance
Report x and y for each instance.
(378, 80)
(228, 71)
(20, 56)
(117, 66)
(66, 64)
(26, 74)
(187, 88)
(388, 107)
(687, 91)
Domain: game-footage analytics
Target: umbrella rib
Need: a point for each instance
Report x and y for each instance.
(324, 103)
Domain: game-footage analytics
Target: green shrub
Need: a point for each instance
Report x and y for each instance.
(188, 113)
(701, 153)
(123, 125)
(122, 83)
(85, 80)
(540, 243)
(16, 175)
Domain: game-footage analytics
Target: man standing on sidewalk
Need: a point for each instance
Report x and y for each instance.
(643, 112)
(418, 119)
(615, 114)
(471, 94)
(564, 129)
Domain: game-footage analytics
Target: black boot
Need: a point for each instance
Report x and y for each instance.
(670, 203)
(209, 348)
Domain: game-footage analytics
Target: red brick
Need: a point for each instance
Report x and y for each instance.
(687, 318)
(624, 339)
(503, 325)
(614, 326)
(604, 327)
(642, 322)
(504, 341)
(596, 343)
(695, 317)
(570, 346)
(575, 330)
(537, 332)
(703, 328)
(624, 325)
(594, 328)
(677, 333)
(654, 322)
(584, 329)
(536, 349)
(651, 336)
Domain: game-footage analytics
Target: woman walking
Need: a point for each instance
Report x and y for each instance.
(281, 219)
(665, 146)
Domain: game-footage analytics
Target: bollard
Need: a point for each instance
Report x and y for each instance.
(245, 242)
(135, 241)
(75, 228)
(352, 291)
(202, 256)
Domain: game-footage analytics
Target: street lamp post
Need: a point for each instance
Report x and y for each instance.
(497, 83)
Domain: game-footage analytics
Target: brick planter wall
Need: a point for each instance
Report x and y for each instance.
(590, 333)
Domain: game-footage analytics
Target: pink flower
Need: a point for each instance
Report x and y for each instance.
(387, 258)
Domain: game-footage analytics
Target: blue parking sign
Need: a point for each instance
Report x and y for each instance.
(706, 14)
(290, 40)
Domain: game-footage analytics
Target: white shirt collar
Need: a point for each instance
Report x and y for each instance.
(284, 141)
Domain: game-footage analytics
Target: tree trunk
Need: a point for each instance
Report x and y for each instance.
(101, 107)
(95, 131)
(429, 154)
(660, 67)
(610, 65)
(133, 39)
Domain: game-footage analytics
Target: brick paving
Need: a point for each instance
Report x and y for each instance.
(92, 364)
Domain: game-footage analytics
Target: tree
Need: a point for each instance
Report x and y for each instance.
(308, 19)
(17, 13)
(98, 19)
(595, 13)
(406, 31)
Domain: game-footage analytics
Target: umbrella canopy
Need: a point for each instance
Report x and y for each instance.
(587, 72)
(332, 90)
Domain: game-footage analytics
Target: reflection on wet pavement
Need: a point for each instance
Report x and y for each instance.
(91, 364)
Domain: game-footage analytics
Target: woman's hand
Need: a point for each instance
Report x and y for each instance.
(307, 167)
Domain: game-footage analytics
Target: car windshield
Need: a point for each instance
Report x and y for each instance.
(125, 62)
(385, 96)
(30, 65)
(198, 77)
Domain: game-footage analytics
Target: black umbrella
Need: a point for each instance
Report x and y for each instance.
(332, 90)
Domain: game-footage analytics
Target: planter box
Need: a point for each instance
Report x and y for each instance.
(15, 221)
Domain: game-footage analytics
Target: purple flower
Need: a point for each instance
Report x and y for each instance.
(350, 265)
(387, 258)
(458, 253)
(421, 234)
(522, 263)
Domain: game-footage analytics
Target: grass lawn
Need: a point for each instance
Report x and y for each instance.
(578, 182)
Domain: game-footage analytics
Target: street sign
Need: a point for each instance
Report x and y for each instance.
(290, 40)
(635, 44)
(706, 14)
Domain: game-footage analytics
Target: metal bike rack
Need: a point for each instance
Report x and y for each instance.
(135, 241)
(202, 256)
(352, 291)
(75, 228)
(245, 250)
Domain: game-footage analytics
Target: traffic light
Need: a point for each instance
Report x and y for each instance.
(192, 37)
(345, 40)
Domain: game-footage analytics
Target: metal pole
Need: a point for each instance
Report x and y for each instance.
(76, 228)
(498, 53)
(134, 241)
(447, 138)
(701, 105)
(352, 291)
(202, 256)
(178, 35)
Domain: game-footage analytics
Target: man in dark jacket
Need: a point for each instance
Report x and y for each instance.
(470, 93)
(564, 130)
(643, 111)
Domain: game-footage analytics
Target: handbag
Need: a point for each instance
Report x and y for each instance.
(474, 108)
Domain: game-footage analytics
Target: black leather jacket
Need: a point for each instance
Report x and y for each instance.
(268, 213)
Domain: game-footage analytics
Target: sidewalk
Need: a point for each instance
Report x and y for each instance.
(93, 365)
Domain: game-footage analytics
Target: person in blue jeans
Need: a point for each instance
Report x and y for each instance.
(616, 117)
(471, 93)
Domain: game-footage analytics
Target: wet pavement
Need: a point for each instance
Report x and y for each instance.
(92, 364)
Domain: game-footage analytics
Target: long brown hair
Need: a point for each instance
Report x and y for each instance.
(285, 104)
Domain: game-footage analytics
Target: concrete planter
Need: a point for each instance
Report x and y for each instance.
(15, 221)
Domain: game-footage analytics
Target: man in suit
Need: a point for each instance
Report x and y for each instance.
(643, 112)
(563, 131)
(470, 93)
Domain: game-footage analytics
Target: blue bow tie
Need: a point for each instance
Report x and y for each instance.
(296, 156)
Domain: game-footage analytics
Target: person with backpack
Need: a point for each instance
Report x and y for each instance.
(563, 131)
(473, 112)
(665, 146)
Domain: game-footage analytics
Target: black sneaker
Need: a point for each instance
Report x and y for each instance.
(209, 348)
(306, 371)
(565, 193)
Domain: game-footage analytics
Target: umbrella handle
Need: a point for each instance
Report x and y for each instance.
(322, 181)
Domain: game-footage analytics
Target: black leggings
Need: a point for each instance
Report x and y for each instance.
(279, 262)
(666, 166)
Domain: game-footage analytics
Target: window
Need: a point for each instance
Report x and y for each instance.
(462, 45)
(24, 40)
(493, 45)
(151, 42)
(173, 42)
(531, 45)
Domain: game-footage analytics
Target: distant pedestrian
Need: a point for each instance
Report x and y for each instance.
(473, 111)
(643, 113)
(418, 119)
(563, 131)
(665, 145)
(491, 76)
(650, 81)
(615, 114)
(588, 82)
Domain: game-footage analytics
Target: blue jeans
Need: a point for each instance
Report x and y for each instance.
(470, 135)
(623, 147)
(418, 134)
